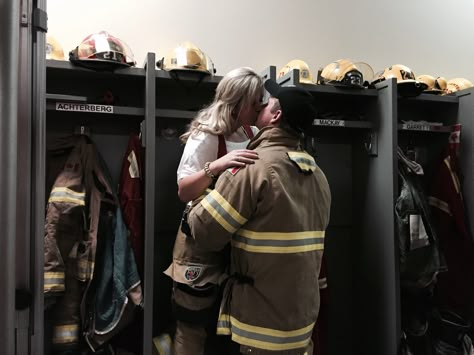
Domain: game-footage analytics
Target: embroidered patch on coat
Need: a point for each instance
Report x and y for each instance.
(303, 160)
(234, 170)
(192, 273)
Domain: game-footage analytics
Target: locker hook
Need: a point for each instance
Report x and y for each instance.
(371, 144)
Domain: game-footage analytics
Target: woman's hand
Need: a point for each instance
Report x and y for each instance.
(239, 157)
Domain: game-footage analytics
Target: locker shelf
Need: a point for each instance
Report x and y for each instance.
(179, 114)
(292, 78)
(433, 98)
(58, 66)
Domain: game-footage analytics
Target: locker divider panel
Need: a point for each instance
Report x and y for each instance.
(376, 323)
(466, 118)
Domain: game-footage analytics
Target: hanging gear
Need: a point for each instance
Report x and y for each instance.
(435, 86)
(54, 50)
(345, 73)
(407, 84)
(305, 75)
(102, 51)
(187, 57)
(457, 84)
(449, 332)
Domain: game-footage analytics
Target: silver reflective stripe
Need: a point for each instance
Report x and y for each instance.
(272, 242)
(63, 194)
(64, 334)
(163, 344)
(265, 338)
(223, 212)
(54, 282)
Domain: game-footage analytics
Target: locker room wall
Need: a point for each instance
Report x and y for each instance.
(429, 36)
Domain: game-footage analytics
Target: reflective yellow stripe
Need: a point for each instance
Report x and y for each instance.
(223, 212)
(53, 282)
(443, 206)
(277, 250)
(323, 283)
(280, 235)
(456, 183)
(223, 325)
(63, 334)
(163, 344)
(265, 338)
(63, 194)
(85, 269)
(284, 243)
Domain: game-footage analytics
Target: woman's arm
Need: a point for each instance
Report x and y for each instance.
(192, 186)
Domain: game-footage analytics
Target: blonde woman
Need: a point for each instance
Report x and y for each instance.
(216, 141)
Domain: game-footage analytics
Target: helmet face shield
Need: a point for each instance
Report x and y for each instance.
(343, 72)
(103, 47)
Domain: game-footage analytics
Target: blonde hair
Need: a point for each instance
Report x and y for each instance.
(238, 88)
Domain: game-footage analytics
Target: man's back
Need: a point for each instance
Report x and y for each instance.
(275, 212)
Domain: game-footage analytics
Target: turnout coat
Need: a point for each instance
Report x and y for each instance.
(274, 213)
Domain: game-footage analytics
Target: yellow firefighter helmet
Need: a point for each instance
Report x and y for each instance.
(187, 57)
(344, 72)
(405, 77)
(306, 77)
(435, 86)
(54, 50)
(457, 84)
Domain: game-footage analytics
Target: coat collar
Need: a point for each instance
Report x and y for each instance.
(271, 136)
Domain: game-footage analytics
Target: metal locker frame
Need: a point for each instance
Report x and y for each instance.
(466, 118)
(9, 94)
(22, 91)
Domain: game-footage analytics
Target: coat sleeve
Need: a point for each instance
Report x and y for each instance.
(228, 207)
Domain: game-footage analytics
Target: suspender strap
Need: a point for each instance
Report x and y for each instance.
(222, 149)
(249, 131)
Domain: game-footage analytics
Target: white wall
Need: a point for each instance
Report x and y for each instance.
(430, 36)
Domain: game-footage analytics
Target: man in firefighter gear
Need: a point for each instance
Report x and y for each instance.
(274, 213)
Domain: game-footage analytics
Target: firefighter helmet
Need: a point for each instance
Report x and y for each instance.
(102, 50)
(54, 50)
(407, 85)
(435, 86)
(457, 84)
(187, 57)
(343, 72)
(210, 65)
(306, 77)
